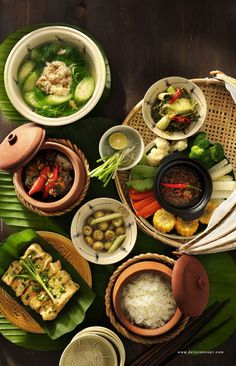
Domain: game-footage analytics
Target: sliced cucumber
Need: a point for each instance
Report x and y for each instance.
(30, 99)
(30, 82)
(84, 90)
(57, 99)
(36, 54)
(25, 69)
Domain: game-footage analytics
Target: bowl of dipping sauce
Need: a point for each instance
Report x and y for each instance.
(183, 186)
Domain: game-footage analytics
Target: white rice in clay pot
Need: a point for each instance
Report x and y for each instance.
(147, 300)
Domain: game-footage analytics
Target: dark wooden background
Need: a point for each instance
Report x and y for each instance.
(144, 41)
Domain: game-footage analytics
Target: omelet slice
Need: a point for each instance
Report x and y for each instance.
(53, 268)
(48, 310)
(64, 293)
(43, 262)
(13, 270)
(34, 251)
(19, 285)
(56, 281)
(39, 300)
(32, 291)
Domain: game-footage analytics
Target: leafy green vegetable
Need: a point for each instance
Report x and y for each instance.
(201, 140)
(174, 109)
(202, 150)
(217, 152)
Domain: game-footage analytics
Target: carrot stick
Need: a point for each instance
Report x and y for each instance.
(148, 210)
(136, 196)
(139, 205)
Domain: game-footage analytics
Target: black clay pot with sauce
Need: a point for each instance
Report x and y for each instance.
(189, 203)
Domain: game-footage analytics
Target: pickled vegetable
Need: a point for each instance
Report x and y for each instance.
(104, 231)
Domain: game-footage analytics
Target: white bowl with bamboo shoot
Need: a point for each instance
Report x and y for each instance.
(104, 231)
(174, 108)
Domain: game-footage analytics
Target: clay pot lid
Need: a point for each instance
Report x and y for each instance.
(20, 146)
(190, 285)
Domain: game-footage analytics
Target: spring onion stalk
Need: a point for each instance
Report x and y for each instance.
(106, 171)
(117, 242)
(34, 275)
(106, 218)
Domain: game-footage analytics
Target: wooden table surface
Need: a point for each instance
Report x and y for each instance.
(144, 41)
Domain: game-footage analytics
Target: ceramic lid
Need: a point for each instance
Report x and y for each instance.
(20, 146)
(190, 285)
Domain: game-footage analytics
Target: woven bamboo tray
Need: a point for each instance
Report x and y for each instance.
(111, 313)
(84, 161)
(220, 125)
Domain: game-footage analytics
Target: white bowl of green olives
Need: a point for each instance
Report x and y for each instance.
(104, 231)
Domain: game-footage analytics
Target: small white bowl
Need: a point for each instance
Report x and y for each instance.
(161, 86)
(89, 48)
(134, 139)
(84, 344)
(108, 334)
(88, 252)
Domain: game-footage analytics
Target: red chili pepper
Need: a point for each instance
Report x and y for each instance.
(181, 119)
(40, 181)
(176, 95)
(179, 185)
(50, 182)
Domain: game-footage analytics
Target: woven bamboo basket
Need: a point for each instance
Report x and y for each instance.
(220, 125)
(84, 161)
(111, 313)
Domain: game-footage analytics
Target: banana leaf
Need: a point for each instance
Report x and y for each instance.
(6, 107)
(221, 268)
(38, 342)
(74, 311)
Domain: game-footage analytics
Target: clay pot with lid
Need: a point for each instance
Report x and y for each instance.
(190, 289)
(20, 147)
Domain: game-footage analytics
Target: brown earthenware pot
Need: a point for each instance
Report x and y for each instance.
(20, 147)
(125, 277)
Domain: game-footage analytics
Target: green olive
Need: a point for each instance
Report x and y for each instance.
(120, 230)
(107, 245)
(117, 222)
(98, 235)
(98, 246)
(98, 214)
(103, 226)
(110, 235)
(87, 230)
(89, 240)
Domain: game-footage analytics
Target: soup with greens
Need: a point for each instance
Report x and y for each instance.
(55, 79)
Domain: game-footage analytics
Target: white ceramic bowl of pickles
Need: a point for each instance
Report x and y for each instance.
(104, 231)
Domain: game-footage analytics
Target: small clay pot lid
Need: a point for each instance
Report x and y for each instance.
(190, 285)
(20, 146)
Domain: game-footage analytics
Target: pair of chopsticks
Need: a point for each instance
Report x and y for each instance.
(158, 355)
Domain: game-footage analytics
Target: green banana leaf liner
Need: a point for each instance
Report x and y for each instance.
(74, 311)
